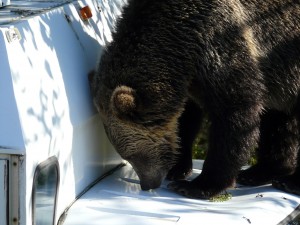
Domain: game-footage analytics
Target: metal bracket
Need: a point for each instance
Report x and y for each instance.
(13, 34)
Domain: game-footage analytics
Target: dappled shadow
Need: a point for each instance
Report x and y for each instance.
(49, 68)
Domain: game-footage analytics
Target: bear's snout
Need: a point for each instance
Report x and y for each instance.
(150, 180)
(150, 184)
(150, 176)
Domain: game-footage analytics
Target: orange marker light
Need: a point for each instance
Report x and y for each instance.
(85, 13)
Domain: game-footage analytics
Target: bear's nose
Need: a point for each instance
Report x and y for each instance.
(152, 184)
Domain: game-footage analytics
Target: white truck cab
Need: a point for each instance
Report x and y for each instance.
(56, 164)
(52, 141)
(4, 3)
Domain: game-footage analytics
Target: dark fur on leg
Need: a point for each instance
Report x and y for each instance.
(189, 125)
(278, 139)
(291, 183)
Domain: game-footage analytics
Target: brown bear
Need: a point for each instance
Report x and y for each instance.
(238, 61)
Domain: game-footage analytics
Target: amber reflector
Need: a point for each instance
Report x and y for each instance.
(85, 12)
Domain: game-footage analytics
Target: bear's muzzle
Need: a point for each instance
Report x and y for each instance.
(150, 184)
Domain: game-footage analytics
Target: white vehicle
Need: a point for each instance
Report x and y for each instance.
(56, 164)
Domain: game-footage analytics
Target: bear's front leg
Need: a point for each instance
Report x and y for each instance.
(211, 182)
(189, 125)
(201, 188)
(231, 136)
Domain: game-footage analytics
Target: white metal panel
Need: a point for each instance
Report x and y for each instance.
(118, 199)
(48, 66)
(10, 129)
(3, 191)
(4, 3)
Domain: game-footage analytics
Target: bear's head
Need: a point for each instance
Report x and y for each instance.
(146, 141)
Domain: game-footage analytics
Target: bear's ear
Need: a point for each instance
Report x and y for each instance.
(123, 100)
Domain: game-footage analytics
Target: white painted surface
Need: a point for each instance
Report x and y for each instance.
(46, 107)
(4, 3)
(10, 129)
(46, 110)
(3, 191)
(118, 200)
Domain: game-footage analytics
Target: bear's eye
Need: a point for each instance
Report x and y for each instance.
(132, 157)
(129, 158)
(153, 122)
(101, 106)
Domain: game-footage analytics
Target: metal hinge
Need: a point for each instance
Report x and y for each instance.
(13, 34)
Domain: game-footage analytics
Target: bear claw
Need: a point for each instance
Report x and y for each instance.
(174, 175)
(287, 184)
(261, 175)
(188, 189)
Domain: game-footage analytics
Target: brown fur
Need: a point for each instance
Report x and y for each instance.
(236, 60)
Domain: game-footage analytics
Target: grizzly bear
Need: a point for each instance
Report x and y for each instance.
(237, 61)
